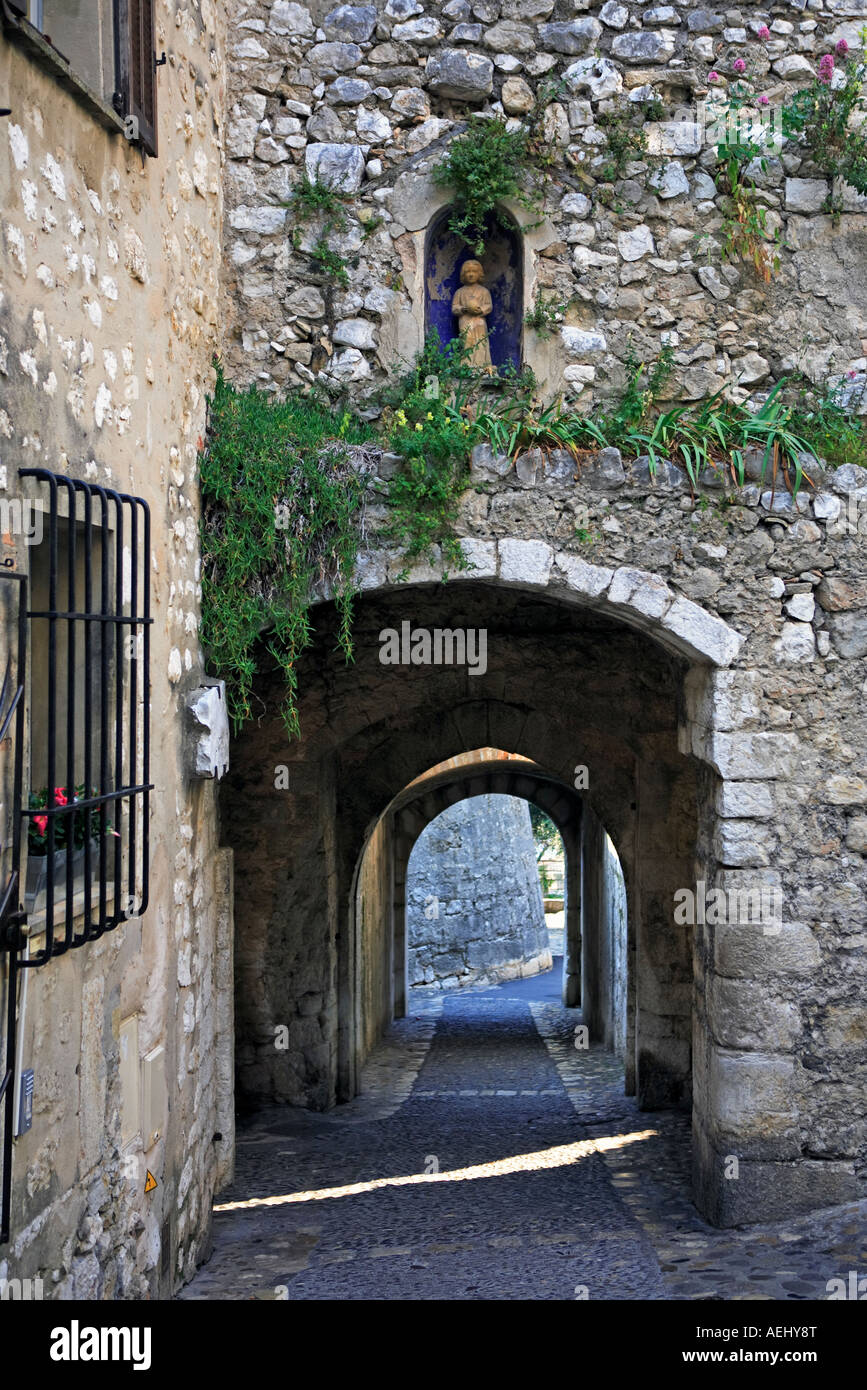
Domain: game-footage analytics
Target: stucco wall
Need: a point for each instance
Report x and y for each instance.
(109, 320)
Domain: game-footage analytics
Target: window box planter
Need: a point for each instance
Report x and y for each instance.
(42, 866)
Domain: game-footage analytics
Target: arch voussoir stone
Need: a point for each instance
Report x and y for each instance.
(636, 597)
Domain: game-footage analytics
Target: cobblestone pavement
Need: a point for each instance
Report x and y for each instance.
(487, 1158)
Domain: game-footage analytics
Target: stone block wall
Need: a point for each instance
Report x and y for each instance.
(474, 901)
(604, 938)
(369, 96)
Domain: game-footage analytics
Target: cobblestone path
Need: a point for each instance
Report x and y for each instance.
(490, 1159)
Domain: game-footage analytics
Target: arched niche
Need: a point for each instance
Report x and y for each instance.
(445, 253)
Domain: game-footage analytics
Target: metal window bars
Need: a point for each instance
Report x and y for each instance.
(109, 738)
(89, 717)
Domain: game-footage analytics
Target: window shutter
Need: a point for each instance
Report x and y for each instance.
(142, 76)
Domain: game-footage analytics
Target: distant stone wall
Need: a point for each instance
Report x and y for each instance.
(370, 95)
(474, 903)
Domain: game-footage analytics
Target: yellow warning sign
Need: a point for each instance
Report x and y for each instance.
(150, 1181)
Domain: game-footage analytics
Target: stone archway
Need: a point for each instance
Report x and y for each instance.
(428, 797)
(607, 664)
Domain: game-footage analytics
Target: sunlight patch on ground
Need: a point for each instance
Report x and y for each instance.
(557, 1157)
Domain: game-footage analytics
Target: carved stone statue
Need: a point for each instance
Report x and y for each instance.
(471, 306)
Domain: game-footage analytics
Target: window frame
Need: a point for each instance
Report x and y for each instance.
(132, 110)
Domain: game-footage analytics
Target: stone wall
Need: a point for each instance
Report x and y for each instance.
(604, 938)
(109, 322)
(370, 95)
(375, 965)
(474, 902)
(734, 625)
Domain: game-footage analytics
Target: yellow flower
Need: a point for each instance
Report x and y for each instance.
(419, 426)
(429, 416)
(401, 417)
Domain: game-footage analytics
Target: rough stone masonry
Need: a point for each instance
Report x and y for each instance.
(367, 97)
(707, 662)
(474, 898)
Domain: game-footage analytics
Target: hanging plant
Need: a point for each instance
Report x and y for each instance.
(484, 167)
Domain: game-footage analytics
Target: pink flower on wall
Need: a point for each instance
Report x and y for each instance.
(713, 77)
(739, 65)
(841, 48)
(763, 31)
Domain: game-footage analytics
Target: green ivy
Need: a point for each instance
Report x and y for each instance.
(280, 507)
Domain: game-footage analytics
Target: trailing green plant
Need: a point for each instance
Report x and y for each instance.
(626, 138)
(482, 168)
(545, 315)
(281, 499)
(330, 262)
(826, 118)
(432, 429)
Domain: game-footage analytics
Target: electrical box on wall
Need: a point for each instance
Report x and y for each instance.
(208, 754)
(154, 1104)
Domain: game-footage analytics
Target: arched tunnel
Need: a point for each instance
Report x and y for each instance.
(564, 688)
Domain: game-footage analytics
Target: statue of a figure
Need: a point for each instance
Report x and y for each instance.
(471, 306)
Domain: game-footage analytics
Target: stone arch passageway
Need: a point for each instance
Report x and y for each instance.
(579, 672)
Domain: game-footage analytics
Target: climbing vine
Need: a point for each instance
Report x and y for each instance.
(430, 425)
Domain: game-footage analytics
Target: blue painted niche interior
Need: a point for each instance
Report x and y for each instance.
(503, 263)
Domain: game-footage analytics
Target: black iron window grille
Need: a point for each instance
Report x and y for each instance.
(88, 729)
(89, 717)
